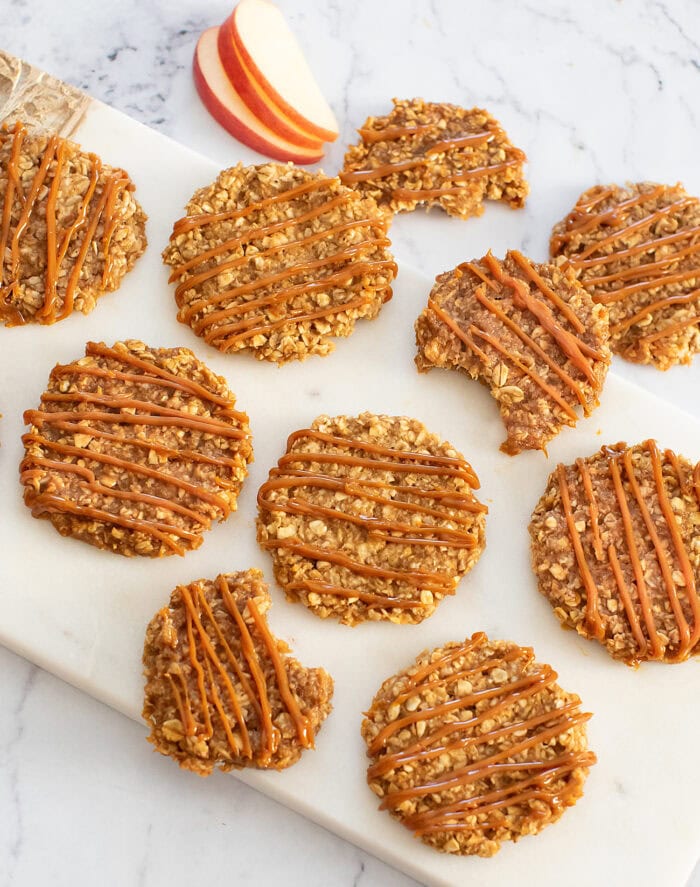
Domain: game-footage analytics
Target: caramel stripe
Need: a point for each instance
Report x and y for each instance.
(684, 646)
(194, 662)
(654, 307)
(677, 540)
(637, 569)
(630, 611)
(271, 735)
(660, 265)
(392, 133)
(376, 225)
(12, 185)
(183, 706)
(188, 223)
(593, 511)
(617, 295)
(379, 600)
(645, 246)
(550, 294)
(465, 338)
(580, 221)
(439, 582)
(127, 465)
(671, 329)
(29, 201)
(301, 722)
(593, 621)
(47, 308)
(475, 173)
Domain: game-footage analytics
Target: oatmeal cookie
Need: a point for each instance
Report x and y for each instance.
(370, 517)
(221, 690)
(70, 228)
(134, 449)
(476, 744)
(529, 332)
(616, 551)
(637, 251)
(277, 260)
(430, 154)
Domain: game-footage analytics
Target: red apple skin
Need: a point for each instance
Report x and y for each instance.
(325, 135)
(255, 98)
(240, 130)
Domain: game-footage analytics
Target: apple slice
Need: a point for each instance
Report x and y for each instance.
(274, 58)
(254, 96)
(228, 108)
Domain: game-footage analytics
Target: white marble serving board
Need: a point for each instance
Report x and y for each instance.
(81, 613)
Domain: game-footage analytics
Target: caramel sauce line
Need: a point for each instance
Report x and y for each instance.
(461, 466)
(621, 293)
(127, 466)
(356, 269)
(270, 732)
(637, 569)
(482, 769)
(246, 749)
(13, 184)
(593, 511)
(151, 370)
(230, 341)
(671, 591)
(627, 602)
(301, 722)
(431, 193)
(464, 337)
(582, 222)
(110, 225)
(46, 503)
(660, 265)
(567, 343)
(378, 226)
(254, 233)
(218, 705)
(531, 788)
(279, 481)
(659, 305)
(531, 374)
(106, 492)
(671, 329)
(539, 678)
(696, 482)
(383, 601)
(152, 411)
(425, 749)
(677, 540)
(42, 417)
(183, 706)
(553, 297)
(194, 662)
(47, 308)
(392, 133)
(644, 222)
(355, 249)
(530, 342)
(29, 201)
(188, 223)
(387, 169)
(438, 582)
(144, 444)
(593, 621)
(646, 246)
(475, 642)
(378, 464)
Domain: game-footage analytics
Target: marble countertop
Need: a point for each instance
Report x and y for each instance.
(613, 84)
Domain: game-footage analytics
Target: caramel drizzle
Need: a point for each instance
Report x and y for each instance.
(45, 420)
(657, 273)
(392, 133)
(209, 315)
(88, 217)
(255, 701)
(461, 735)
(291, 480)
(642, 624)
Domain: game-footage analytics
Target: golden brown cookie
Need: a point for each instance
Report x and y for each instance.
(370, 517)
(221, 690)
(135, 449)
(70, 228)
(425, 153)
(616, 551)
(529, 332)
(476, 744)
(277, 260)
(637, 251)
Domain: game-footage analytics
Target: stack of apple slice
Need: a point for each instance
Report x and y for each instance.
(253, 78)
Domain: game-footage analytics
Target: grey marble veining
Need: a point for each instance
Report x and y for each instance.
(612, 84)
